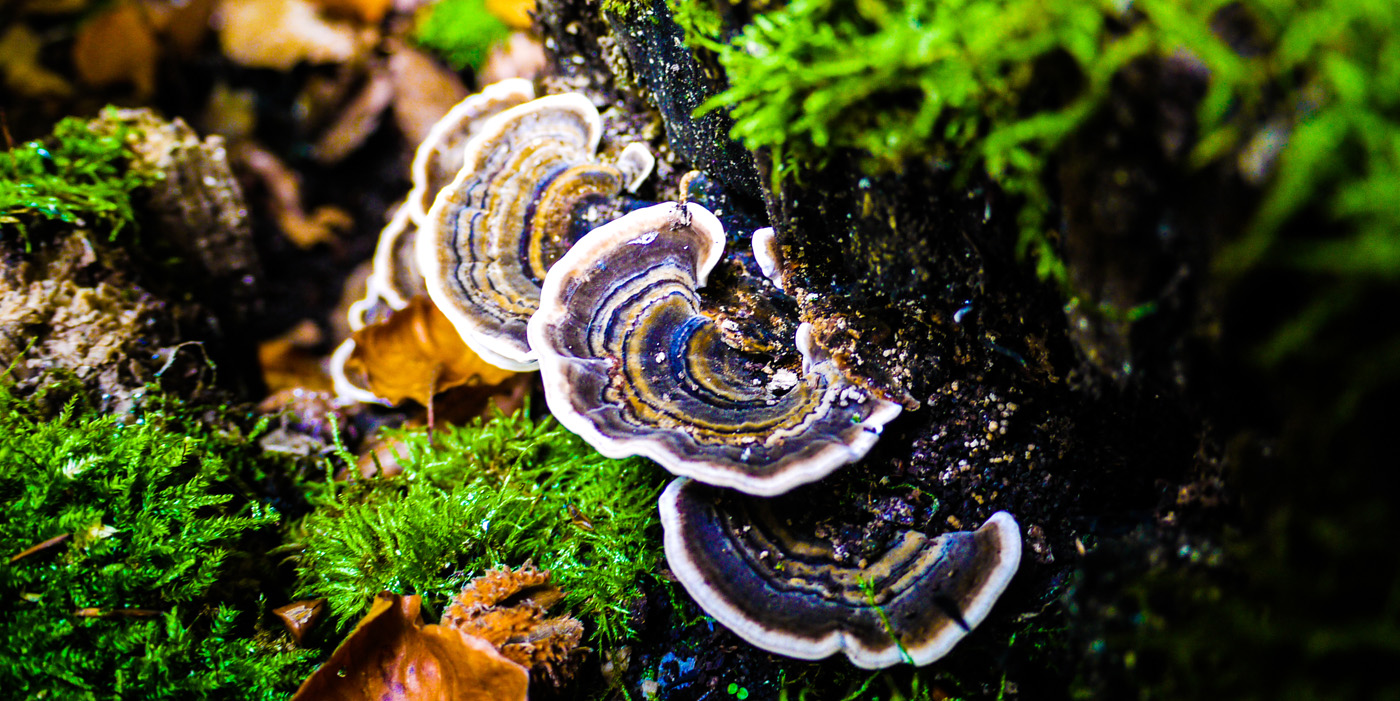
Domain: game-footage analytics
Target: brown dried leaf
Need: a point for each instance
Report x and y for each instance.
(514, 13)
(519, 56)
(416, 353)
(299, 616)
(182, 25)
(424, 91)
(118, 47)
(367, 11)
(391, 655)
(288, 362)
(282, 33)
(19, 64)
(507, 608)
(284, 199)
(357, 121)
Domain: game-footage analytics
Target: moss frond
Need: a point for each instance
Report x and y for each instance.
(78, 176)
(496, 493)
(134, 603)
(955, 80)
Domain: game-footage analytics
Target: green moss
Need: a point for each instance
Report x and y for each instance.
(461, 31)
(77, 176)
(624, 8)
(491, 494)
(954, 80)
(142, 599)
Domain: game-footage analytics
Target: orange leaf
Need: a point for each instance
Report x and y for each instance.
(115, 47)
(416, 353)
(391, 655)
(288, 362)
(513, 13)
(367, 11)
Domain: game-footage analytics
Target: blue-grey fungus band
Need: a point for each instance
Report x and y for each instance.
(789, 595)
(494, 231)
(629, 362)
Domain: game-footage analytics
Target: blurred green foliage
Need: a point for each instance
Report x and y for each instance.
(493, 494)
(461, 31)
(150, 595)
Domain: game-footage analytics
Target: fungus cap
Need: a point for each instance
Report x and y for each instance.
(790, 596)
(492, 234)
(439, 158)
(630, 363)
(768, 256)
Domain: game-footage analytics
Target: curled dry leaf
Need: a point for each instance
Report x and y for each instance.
(424, 91)
(519, 56)
(300, 616)
(391, 655)
(416, 353)
(507, 608)
(20, 67)
(182, 26)
(357, 121)
(284, 200)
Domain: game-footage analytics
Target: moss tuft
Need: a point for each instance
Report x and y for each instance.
(77, 176)
(491, 494)
(139, 600)
(461, 31)
(999, 84)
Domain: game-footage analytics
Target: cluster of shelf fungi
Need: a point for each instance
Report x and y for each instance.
(630, 360)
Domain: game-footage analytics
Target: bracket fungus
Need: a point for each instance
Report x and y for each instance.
(629, 363)
(492, 234)
(791, 596)
(395, 277)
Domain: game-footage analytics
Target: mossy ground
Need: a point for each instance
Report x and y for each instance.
(160, 587)
(1297, 106)
(998, 85)
(497, 493)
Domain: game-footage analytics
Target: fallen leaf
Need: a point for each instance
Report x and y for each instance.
(182, 25)
(282, 33)
(391, 655)
(284, 200)
(519, 56)
(357, 120)
(416, 353)
(367, 11)
(118, 46)
(514, 13)
(424, 90)
(507, 608)
(19, 63)
(288, 362)
(300, 616)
